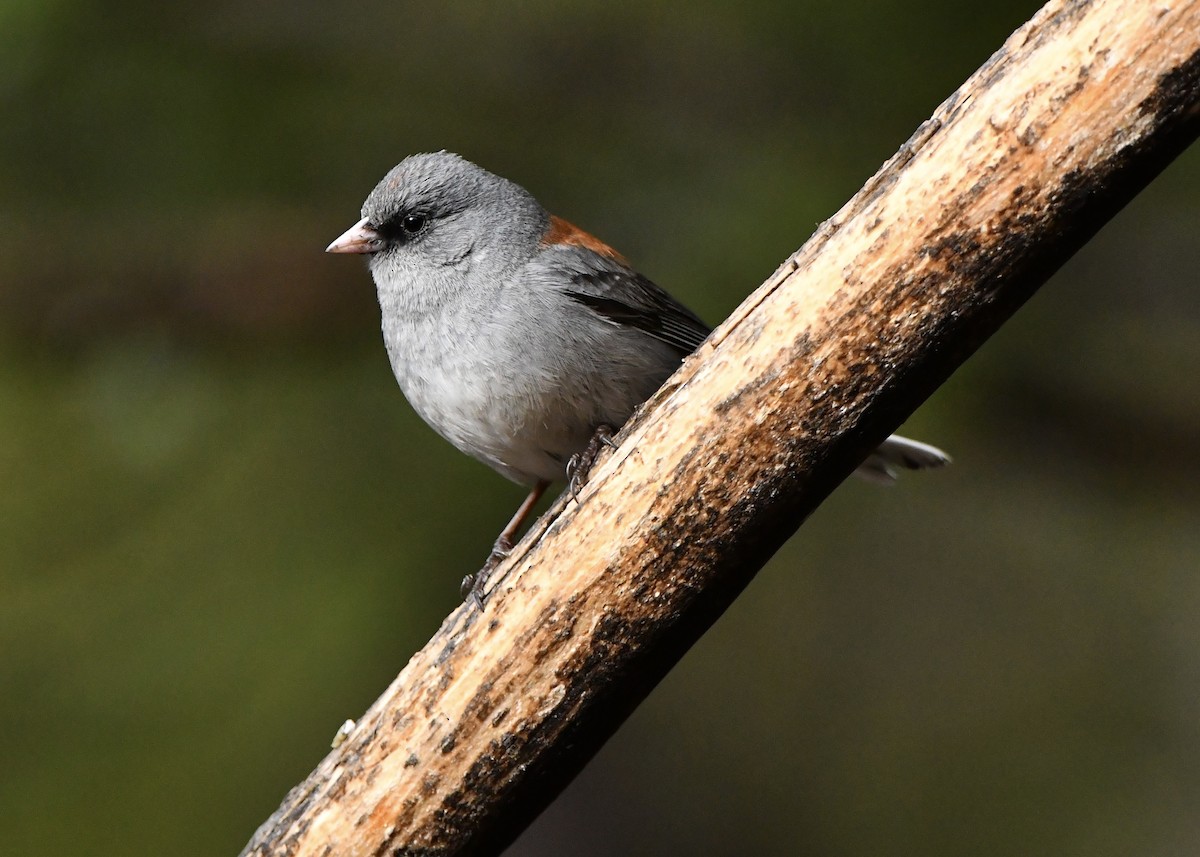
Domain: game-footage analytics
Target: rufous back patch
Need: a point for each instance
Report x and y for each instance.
(564, 232)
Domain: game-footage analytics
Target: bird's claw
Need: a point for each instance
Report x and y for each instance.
(579, 465)
(474, 586)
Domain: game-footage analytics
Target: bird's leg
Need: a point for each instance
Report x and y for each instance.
(472, 586)
(580, 464)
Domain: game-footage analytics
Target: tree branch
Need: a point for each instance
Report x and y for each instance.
(1015, 171)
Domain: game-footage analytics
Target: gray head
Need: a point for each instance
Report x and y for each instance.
(437, 211)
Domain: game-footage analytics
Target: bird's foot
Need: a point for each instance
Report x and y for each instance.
(473, 586)
(579, 466)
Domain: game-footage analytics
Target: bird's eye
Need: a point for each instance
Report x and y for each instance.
(412, 223)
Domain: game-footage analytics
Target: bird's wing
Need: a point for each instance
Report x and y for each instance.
(622, 296)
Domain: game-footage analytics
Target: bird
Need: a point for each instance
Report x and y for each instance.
(521, 339)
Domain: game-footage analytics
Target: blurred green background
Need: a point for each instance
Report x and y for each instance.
(223, 531)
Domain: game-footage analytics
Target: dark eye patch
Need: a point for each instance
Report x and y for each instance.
(404, 225)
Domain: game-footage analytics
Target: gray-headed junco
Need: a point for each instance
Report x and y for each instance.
(517, 336)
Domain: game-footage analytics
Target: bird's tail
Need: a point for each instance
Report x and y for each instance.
(900, 453)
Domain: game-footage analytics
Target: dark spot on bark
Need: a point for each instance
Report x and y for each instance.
(952, 248)
(480, 704)
(447, 650)
(551, 616)
(748, 391)
(1174, 98)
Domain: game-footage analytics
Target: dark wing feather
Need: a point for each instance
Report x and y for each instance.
(625, 297)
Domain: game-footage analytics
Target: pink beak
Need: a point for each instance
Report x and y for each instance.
(359, 238)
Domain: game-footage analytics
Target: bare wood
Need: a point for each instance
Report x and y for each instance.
(1072, 117)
